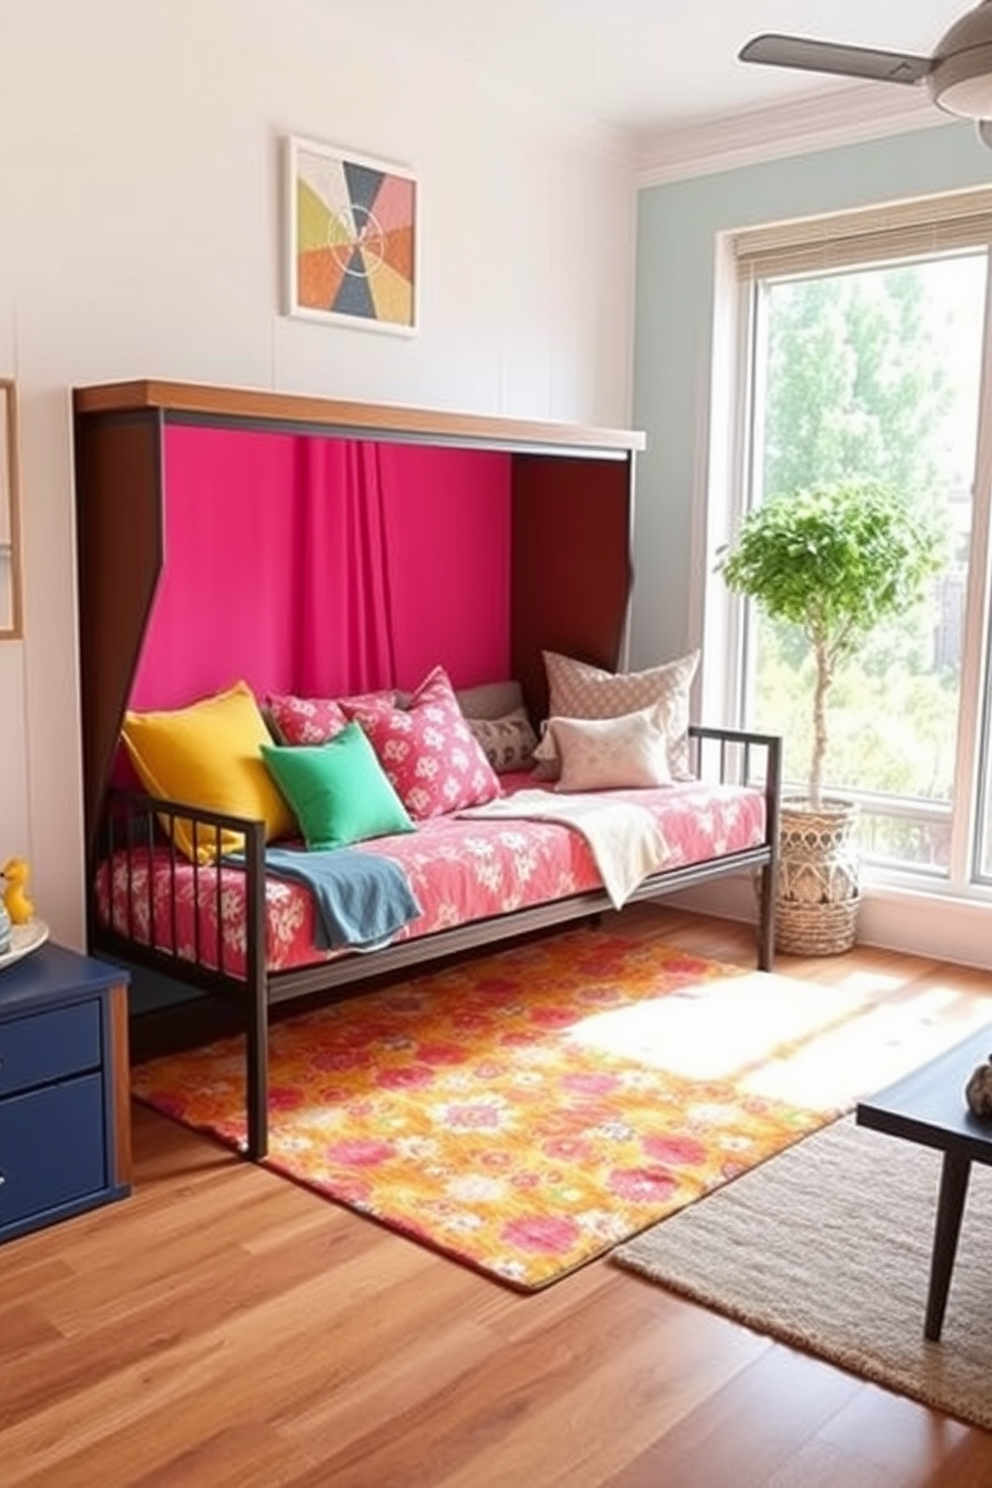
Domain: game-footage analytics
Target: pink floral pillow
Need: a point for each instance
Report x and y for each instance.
(306, 720)
(427, 749)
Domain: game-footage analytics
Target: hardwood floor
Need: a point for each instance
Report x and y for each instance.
(224, 1327)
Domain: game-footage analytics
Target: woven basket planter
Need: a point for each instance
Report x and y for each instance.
(818, 893)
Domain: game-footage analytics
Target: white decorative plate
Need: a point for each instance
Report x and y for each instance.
(23, 940)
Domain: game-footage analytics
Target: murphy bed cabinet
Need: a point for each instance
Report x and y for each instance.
(571, 517)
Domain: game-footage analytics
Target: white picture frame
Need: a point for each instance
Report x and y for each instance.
(352, 246)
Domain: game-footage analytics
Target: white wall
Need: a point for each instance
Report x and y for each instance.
(140, 236)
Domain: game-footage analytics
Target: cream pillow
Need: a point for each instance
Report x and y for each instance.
(611, 753)
(578, 690)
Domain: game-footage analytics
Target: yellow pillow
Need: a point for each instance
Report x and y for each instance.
(209, 755)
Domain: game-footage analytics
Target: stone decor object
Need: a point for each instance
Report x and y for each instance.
(978, 1091)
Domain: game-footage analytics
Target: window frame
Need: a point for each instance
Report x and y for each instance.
(744, 259)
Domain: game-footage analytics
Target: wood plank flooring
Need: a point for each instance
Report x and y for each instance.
(223, 1328)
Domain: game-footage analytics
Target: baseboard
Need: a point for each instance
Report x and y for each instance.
(934, 926)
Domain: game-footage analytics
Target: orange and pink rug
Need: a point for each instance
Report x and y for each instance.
(525, 1112)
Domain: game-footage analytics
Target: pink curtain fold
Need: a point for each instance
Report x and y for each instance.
(338, 606)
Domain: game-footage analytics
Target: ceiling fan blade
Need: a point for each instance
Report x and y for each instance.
(829, 56)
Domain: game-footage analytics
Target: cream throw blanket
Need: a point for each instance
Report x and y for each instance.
(624, 838)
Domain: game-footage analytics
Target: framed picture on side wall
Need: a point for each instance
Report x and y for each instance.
(352, 238)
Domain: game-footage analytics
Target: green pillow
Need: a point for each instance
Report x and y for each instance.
(338, 790)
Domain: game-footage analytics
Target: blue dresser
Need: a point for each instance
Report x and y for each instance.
(65, 1131)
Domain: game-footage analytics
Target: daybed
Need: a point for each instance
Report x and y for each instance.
(184, 586)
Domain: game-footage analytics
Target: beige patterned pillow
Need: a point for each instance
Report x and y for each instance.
(578, 690)
(612, 753)
(508, 742)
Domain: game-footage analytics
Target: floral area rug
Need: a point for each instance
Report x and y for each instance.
(526, 1111)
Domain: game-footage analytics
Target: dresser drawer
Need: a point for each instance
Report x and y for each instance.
(52, 1148)
(49, 1046)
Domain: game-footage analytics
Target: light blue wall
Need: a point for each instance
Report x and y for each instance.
(677, 226)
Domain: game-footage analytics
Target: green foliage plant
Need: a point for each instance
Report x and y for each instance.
(834, 560)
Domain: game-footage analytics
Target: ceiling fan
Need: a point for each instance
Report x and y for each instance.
(958, 77)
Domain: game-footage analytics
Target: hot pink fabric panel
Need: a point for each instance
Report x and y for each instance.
(227, 547)
(450, 566)
(326, 566)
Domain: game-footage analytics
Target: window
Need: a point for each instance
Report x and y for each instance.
(862, 347)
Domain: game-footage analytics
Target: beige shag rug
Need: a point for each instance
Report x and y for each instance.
(827, 1247)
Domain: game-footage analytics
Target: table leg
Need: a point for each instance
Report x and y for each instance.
(950, 1206)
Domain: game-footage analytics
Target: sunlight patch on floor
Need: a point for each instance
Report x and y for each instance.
(864, 1055)
(809, 1044)
(716, 1030)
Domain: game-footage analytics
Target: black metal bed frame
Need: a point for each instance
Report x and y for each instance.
(131, 822)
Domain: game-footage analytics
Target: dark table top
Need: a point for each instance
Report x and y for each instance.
(928, 1106)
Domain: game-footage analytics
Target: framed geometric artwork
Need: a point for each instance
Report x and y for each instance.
(352, 238)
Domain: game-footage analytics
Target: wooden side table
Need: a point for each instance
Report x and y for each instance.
(65, 1132)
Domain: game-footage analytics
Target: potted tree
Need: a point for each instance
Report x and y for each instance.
(834, 561)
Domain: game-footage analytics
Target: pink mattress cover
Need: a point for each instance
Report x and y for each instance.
(460, 870)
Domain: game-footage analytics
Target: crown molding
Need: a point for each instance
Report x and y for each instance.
(842, 116)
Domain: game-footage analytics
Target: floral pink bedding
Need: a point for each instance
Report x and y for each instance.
(459, 871)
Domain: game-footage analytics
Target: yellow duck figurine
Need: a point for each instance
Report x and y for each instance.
(15, 874)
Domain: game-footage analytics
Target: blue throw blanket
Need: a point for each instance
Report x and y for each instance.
(360, 899)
